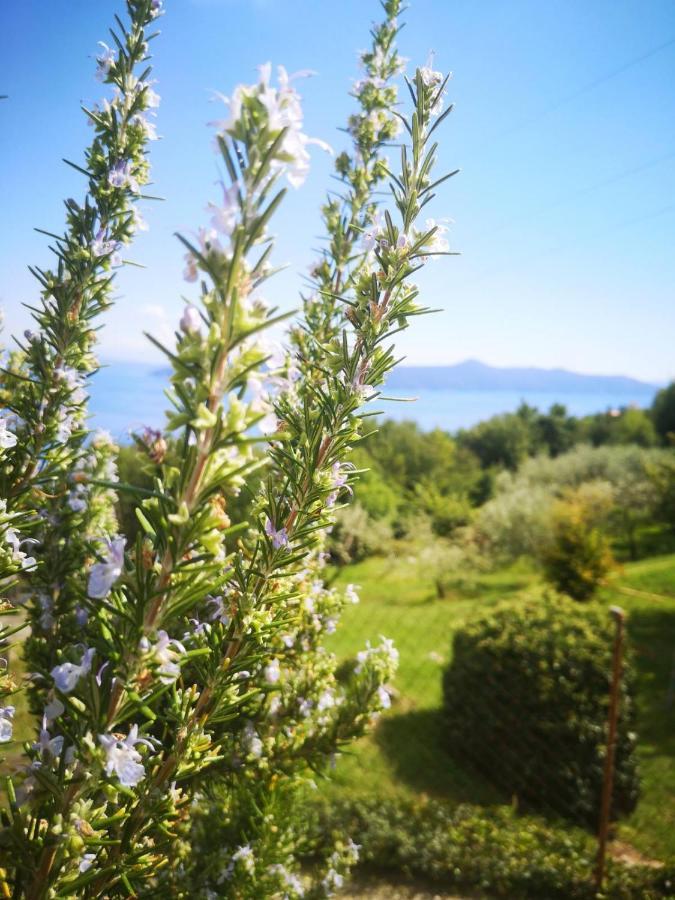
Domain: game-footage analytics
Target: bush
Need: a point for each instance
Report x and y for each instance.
(526, 699)
(494, 851)
(578, 557)
(356, 535)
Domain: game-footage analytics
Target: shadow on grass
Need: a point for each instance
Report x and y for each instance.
(415, 744)
(652, 633)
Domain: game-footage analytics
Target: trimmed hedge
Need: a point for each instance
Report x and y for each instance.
(526, 700)
(494, 852)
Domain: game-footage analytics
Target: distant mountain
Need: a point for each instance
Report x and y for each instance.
(473, 375)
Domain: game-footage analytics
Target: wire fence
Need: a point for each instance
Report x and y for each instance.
(515, 758)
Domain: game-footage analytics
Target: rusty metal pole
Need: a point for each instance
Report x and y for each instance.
(619, 617)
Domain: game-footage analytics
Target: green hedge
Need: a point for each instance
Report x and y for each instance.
(526, 699)
(490, 851)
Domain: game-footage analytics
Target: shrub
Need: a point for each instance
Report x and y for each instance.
(526, 699)
(356, 535)
(491, 850)
(578, 556)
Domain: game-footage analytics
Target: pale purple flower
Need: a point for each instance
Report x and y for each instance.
(305, 707)
(224, 218)
(64, 425)
(53, 710)
(52, 746)
(165, 652)
(372, 234)
(105, 60)
(191, 320)
(67, 675)
(74, 381)
(327, 700)
(437, 242)
(7, 438)
(103, 575)
(432, 79)
(190, 272)
(272, 672)
(19, 555)
(6, 716)
(351, 595)
(77, 500)
(251, 742)
(338, 480)
(149, 128)
(383, 697)
(138, 223)
(278, 536)
(332, 881)
(220, 612)
(120, 176)
(86, 862)
(122, 758)
(244, 855)
(152, 98)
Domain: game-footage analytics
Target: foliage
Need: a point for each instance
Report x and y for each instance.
(408, 753)
(519, 518)
(508, 439)
(504, 440)
(494, 851)
(425, 473)
(661, 475)
(374, 492)
(626, 425)
(663, 413)
(526, 698)
(355, 535)
(578, 557)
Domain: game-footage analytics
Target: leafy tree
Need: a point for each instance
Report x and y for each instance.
(505, 440)
(556, 430)
(663, 414)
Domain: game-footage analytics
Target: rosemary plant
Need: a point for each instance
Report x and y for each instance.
(49, 467)
(184, 694)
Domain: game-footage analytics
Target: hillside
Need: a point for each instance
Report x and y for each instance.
(473, 375)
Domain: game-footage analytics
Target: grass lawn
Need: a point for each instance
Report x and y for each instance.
(407, 754)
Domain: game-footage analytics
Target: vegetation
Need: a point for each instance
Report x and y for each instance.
(577, 558)
(180, 689)
(493, 851)
(408, 755)
(525, 699)
(186, 678)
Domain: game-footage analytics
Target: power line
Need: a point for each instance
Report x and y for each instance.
(584, 89)
(559, 248)
(583, 191)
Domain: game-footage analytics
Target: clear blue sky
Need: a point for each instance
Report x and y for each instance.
(564, 129)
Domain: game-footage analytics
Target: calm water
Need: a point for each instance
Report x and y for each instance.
(130, 395)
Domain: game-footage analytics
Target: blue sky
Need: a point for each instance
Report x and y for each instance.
(564, 129)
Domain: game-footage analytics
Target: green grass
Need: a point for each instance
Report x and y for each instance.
(407, 753)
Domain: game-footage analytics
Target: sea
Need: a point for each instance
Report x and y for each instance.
(128, 396)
